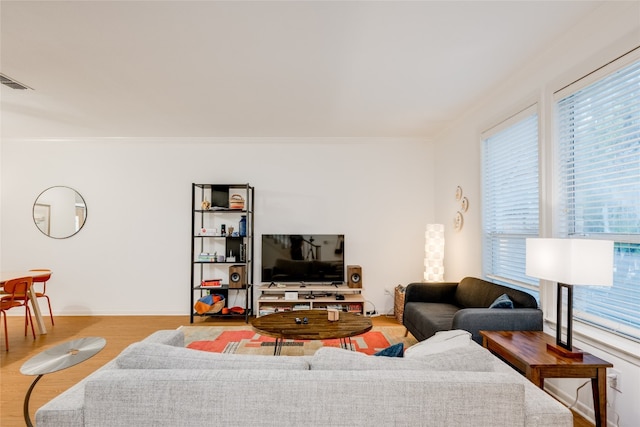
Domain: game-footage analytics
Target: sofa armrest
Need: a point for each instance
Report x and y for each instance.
(172, 337)
(475, 320)
(443, 292)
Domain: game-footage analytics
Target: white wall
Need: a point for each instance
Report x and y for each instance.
(607, 34)
(133, 255)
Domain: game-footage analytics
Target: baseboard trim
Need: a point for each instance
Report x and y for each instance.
(583, 409)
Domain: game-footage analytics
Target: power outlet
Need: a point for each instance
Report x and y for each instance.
(614, 380)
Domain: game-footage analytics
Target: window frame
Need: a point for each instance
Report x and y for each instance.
(561, 225)
(531, 286)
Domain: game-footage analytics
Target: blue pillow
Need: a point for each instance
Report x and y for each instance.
(502, 301)
(396, 350)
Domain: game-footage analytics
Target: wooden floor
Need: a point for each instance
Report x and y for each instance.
(119, 331)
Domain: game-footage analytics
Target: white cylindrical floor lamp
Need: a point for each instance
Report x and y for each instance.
(434, 253)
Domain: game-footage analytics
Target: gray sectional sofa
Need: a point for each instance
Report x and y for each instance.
(158, 382)
(433, 307)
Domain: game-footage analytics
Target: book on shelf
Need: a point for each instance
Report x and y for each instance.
(211, 283)
(206, 257)
(354, 308)
(268, 309)
(264, 311)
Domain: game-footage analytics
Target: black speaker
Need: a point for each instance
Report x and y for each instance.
(354, 276)
(237, 276)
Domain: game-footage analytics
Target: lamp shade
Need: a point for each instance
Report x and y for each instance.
(570, 261)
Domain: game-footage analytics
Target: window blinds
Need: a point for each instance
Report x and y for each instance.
(510, 197)
(599, 188)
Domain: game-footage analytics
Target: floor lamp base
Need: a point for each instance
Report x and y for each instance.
(27, 418)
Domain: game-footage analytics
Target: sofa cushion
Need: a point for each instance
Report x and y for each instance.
(428, 317)
(477, 293)
(144, 355)
(503, 301)
(442, 341)
(468, 358)
(396, 350)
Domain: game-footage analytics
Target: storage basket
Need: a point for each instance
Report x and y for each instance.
(398, 302)
(215, 308)
(209, 304)
(236, 202)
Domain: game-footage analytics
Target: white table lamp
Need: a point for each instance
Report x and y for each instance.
(569, 262)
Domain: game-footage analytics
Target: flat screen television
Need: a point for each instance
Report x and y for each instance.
(309, 258)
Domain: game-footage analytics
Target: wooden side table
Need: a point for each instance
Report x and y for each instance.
(527, 352)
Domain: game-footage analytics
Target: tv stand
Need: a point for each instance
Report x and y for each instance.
(308, 296)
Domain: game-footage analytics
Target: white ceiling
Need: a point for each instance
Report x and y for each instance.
(264, 68)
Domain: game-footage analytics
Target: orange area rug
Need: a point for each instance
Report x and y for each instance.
(244, 340)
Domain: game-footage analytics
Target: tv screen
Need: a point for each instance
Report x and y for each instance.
(310, 258)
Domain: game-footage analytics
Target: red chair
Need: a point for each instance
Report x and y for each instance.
(43, 279)
(16, 295)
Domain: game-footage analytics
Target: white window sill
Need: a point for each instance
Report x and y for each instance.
(607, 342)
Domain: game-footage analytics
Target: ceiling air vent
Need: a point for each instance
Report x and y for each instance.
(13, 84)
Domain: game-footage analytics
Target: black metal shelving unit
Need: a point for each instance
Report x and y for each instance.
(208, 242)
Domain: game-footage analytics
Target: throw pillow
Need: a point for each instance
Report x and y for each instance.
(396, 350)
(503, 301)
(442, 341)
(143, 355)
(469, 358)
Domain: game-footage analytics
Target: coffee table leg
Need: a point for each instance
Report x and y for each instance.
(346, 343)
(277, 348)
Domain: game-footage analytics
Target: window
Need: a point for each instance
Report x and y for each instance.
(510, 194)
(598, 157)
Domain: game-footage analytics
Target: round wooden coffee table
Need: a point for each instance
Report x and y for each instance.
(283, 326)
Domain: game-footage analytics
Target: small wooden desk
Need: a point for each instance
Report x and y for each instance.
(8, 275)
(527, 352)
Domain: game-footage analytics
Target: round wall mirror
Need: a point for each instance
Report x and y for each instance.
(59, 212)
